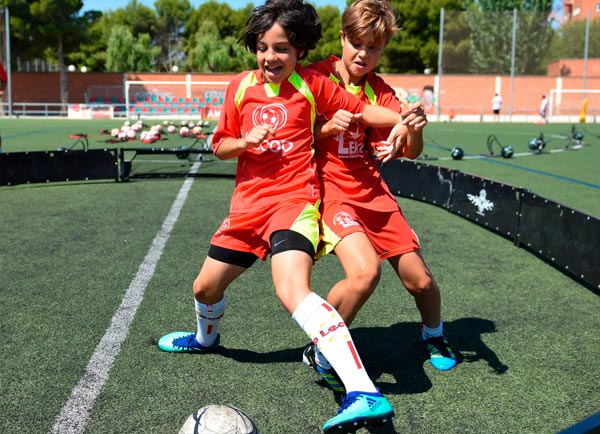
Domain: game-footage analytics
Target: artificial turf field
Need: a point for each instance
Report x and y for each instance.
(85, 260)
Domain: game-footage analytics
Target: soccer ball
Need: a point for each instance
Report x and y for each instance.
(218, 419)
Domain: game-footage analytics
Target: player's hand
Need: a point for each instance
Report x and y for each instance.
(393, 146)
(258, 134)
(385, 151)
(414, 116)
(341, 121)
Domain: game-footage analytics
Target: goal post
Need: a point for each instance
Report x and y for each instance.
(573, 105)
(182, 99)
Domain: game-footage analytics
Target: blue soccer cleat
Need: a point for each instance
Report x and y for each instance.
(184, 342)
(441, 355)
(360, 409)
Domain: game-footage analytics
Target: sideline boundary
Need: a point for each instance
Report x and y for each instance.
(75, 413)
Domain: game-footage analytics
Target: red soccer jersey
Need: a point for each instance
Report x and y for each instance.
(347, 167)
(282, 167)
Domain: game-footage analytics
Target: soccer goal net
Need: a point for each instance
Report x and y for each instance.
(574, 105)
(175, 99)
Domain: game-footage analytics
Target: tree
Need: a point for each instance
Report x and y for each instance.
(456, 43)
(136, 17)
(227, 21)
(210, 24)
(213, 54)
(48, 28)
(569, 42)
(91, 51)
(171, 18)
(415, 46)
(120, 48)
(126, 53)
(491, 23)
(331, 23)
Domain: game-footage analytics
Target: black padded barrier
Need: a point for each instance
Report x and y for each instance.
(57, 166)
(418, 181)
(487, 203)
(564, 237)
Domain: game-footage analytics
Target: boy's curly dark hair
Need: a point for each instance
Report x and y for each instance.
(299, 20)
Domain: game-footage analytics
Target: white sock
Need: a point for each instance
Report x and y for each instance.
(427, 332)
(208, 317)
(326, 328)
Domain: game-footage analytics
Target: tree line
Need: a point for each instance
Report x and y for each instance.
(477, 36)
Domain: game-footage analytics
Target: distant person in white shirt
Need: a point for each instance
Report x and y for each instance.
(496, 106)
(544, 108)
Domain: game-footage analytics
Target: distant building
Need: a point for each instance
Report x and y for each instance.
(578, 10)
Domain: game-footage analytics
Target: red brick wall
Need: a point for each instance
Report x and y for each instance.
(45, 86)
(472, 94)
(574, 68)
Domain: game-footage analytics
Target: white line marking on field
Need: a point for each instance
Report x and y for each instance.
(75, 414)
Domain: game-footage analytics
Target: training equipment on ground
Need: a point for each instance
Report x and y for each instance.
(457, 153)
(80, 139)
(576, 136)
(505, 151)
(218, 419)
(537, 144)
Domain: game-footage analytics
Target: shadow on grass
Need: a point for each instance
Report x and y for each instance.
(398, 351)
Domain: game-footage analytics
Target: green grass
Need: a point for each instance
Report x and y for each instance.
(570, 177)
(527, 334)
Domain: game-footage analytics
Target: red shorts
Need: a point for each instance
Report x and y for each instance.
(251, 232)
(388, 231)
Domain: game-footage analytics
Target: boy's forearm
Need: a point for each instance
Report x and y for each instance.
(378, 116)
(414, 144)
(230, 148)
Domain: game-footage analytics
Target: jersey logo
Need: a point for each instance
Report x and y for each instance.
(351, 143)
(224, 226)
(274, 115)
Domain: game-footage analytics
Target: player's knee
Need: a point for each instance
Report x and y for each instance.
(365, 278)
(204, 293)
(422, 285)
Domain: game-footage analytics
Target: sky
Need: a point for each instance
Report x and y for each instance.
(103, 5)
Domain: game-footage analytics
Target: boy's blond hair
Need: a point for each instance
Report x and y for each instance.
(371, 20)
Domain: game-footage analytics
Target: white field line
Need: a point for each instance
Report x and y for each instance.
(75, 413)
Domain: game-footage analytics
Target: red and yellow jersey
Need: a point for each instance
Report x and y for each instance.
(282, 167)
(348, 169)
